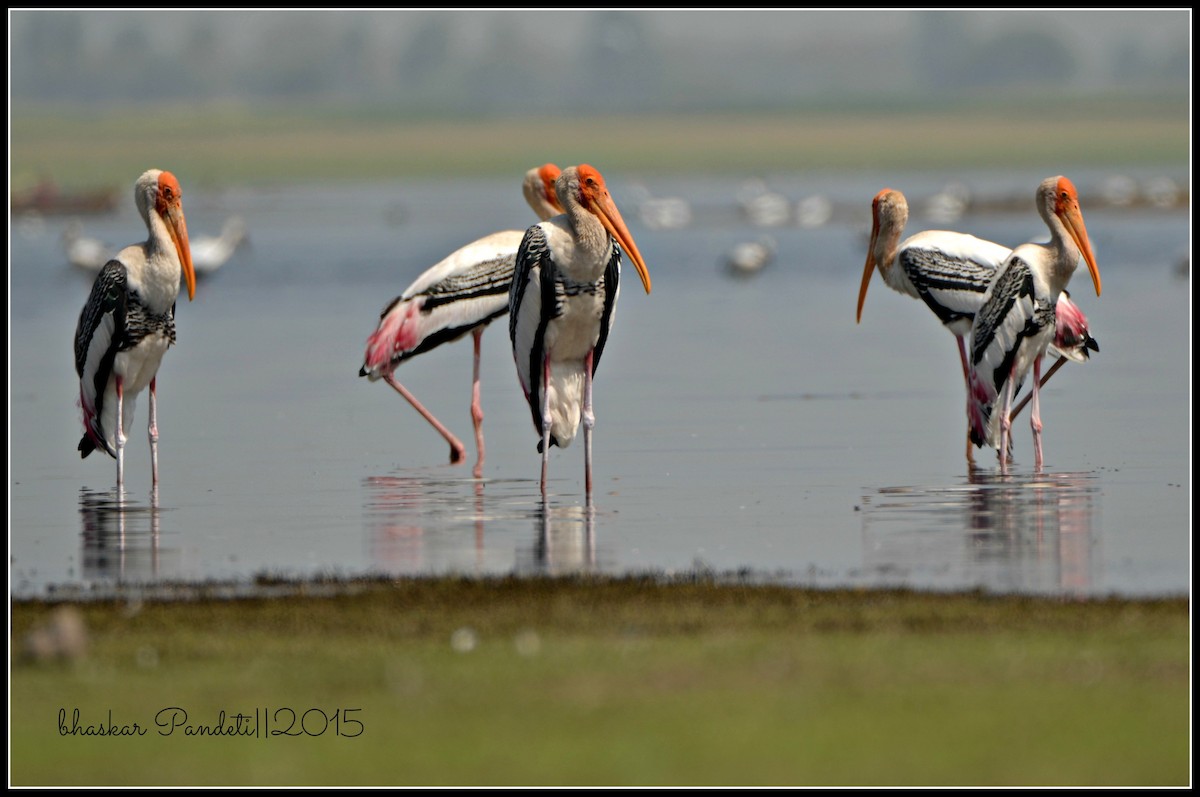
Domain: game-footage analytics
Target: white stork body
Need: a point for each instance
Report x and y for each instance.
(87, 253)
(128, 322)
(948, 271)
(562, 303)
(210, 252)
(463, 293)
(1016, 325)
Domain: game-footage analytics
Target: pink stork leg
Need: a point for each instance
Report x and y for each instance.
(962, 355)
(545, 421)
(1059, 363)
(1005, 423)
(1035, 419)
(152, 432)
(477, 407)
(120, 433)
(589, 422)
(458, 452)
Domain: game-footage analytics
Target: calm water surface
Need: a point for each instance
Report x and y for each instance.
(742, 424)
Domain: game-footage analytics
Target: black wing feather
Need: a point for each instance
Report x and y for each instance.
(612, 284)
(109, 296)
(534, 253)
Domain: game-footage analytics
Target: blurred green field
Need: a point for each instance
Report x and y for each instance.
(627, 681)
(222, 145)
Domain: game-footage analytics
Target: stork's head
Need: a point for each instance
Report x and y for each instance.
(158, 192)
(539, 190)
(1065, 201)
(889, 214)
(584, 186)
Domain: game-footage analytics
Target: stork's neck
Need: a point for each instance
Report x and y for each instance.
(156, 276)
(592, 244)
(1065, 256)
(885, 250)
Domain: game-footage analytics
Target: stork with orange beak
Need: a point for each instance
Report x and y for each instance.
(128, 322)
(1016, 324)
(462, 293)
(950, 272)
(562, 305)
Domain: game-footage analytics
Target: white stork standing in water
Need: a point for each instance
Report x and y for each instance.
(561, 308)
(462, 293)
(1016, 324)
(949, 271)
(129, 322)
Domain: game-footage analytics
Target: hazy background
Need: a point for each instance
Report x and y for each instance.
(508, 63)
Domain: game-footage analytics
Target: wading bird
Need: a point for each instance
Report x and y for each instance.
(562, 303)
(463, 293)
(1016, 324)
(949, 271)
(129, 322)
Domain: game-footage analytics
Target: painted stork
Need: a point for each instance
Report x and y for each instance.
(949, 271)
(561, 308)
(463, 293)
(129, 322)
(1016, 324)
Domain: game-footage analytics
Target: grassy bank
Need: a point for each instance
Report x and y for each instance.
(625, 681)
(222, 145)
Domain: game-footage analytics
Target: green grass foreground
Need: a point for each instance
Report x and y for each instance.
(609, 681)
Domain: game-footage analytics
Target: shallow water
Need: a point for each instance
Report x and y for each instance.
(742, 424)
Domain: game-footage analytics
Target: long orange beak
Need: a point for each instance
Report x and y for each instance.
(868, 270)
(606, 210)
(1072, 218)
(177, 227)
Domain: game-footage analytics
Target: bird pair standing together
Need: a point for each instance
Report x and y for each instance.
(558, 281)
(1013, 303)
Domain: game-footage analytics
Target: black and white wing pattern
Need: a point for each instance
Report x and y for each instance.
(99, 335)
(1011, 318)
(612, 289)
(533, 286)
(952, 285)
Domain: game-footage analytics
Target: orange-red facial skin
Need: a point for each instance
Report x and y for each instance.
(595, 197)
(169, 205)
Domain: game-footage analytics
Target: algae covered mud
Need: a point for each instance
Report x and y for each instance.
(612, 681)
